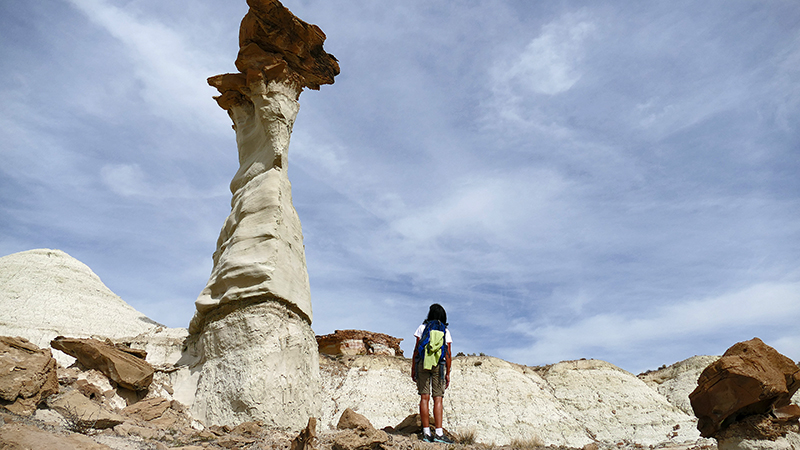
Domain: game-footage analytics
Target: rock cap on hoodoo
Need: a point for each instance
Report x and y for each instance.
(275, 44)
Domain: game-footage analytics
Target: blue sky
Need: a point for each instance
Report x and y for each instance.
(612, 180)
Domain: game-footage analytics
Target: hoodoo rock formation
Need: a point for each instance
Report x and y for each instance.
(255, 311)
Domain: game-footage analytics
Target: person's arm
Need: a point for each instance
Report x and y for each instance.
(448, 360)
(414, 362)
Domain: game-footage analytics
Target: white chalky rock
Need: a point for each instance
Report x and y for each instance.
(261, 363)
(677, 381)
(259, 356)
(45, 293)
(500, 402)
(260, 253)
(613, 404)
(504, 402)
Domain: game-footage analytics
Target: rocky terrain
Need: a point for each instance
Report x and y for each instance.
(570, 404)
(81, 369)
(144, 396)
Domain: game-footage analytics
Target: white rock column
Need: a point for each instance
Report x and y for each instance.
(253, 319)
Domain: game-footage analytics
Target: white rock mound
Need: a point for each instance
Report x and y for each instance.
(614, 405)
(568, 404)
(677, 381)
(45, 293)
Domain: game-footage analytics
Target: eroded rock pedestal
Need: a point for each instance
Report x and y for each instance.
(253, 319)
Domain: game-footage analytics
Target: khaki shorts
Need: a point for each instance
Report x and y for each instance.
(430, 378)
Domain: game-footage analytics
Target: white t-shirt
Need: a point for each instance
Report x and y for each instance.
(421, 329)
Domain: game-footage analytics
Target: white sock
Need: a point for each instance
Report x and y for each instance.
(440, 432)
(426, 431)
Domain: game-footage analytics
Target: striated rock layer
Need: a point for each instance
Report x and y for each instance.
(253, 319)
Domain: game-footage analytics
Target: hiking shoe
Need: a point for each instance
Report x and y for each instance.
(427, 437)
(442, 439)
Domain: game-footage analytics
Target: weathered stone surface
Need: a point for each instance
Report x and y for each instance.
(147, 409)
(75, 407)
(274, 42)
(258, 366)
(358, 433)
(760, 432)
(27, 375)
(606, 399)
(307, 438)
(351, 420)
(750, 378)
(410, 425)
(381, 389)
(359, 342)
(45, 293)
(123, 368)
(17, 436)
(677, 381)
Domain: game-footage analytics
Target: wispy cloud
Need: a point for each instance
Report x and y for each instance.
(740, 313)
(172, 71)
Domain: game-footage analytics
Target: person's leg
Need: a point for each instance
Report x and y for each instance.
(438, 407)
(424, 412)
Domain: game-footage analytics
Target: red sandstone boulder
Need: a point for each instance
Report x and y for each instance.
(27, 375)
(750, 378)
(125, 369)
(359, 342)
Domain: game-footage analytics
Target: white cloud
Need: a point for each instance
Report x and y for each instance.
(772, 304)
(485, 204)
(172, 70)
(125, 179)
(550, 64)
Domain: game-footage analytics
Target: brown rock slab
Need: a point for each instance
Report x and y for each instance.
(27, 375)
(84, 413)
(275, 45)
(270, 35)
(125, 369)
(148, 409)
(19, 436)
(357, 433)
(351, 420)
(410, 425)
(750, 378)
(247, 429)
(307, 438)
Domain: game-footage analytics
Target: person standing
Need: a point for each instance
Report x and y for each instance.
(430, 369)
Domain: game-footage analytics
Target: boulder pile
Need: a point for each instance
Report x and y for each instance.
(27, 375)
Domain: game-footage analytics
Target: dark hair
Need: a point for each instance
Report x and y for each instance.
(437, 312)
